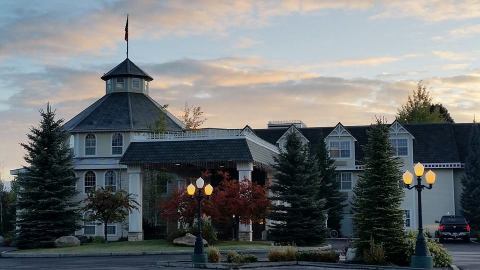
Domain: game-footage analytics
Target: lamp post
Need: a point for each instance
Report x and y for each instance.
(421, 258)
(199, 258)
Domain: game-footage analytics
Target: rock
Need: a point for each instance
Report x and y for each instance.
(67, 241)
(2, 241)
(187, 240)
(84, 239)
(351, 254)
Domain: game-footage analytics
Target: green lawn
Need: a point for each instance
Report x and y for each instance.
(144, 246)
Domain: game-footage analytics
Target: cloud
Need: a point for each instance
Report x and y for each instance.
(245, 43)
(451, 56)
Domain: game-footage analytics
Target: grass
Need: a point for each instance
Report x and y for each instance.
(144, 246)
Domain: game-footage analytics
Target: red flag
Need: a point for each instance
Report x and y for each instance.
(126, 30)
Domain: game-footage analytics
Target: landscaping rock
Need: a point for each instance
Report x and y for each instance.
(67, 241)
(2, 241)
(351, 254)
(187, 240)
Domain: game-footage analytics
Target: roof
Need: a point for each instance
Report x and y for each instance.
(195, 151)
(127, 69)
(433, 143)
(122, 111)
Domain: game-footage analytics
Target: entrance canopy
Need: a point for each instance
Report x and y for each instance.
(206, 146)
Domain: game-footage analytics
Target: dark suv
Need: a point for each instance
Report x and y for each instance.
(453, 227)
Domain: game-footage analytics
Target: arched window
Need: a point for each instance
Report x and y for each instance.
(90, 145)
(117, 144)
(90, 181)
(111, 180)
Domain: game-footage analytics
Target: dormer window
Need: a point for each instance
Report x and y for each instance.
(136, 83)
(120, 83)
(339, 149)
(109, 84)
(399, 147)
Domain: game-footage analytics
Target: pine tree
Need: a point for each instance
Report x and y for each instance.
(378, 196)
(297, 215)
(45, 200)
(471, 180)
(329, 189)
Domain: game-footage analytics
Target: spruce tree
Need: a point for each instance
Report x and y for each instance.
(45, 200)
(471, 180)
(378, 196)
(329, 188)
(297, 214)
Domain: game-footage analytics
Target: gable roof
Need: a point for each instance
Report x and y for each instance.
(122, 111)
(433, 143)
(126, 69)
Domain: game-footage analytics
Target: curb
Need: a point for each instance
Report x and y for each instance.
(10, 254)
(454, 267)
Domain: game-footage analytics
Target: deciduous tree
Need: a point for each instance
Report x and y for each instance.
(471, 180)
(193, 117)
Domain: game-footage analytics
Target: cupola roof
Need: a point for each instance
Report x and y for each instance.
(126, 69)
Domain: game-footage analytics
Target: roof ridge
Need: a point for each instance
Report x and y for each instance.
(130, 114)
(83, 116)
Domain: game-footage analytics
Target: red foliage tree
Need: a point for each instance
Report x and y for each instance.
(244, 199)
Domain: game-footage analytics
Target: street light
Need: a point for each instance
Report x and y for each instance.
(199, 258)
(422, 258)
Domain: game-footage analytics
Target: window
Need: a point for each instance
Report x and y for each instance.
(90, 145)
(339, 149)
(71, 144)
(344, 180)
(109, 84)
(146, 85)
(120, 83)
(111, 180)
(407, 218)
(90, 181)
(117, 144)
(136, 83)
(88, 225)
(111, 229)
(400, 147)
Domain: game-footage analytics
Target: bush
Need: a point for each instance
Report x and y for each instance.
(317, 256)
(213, 255)
(234, 257)
(441, 257)
(375, 255)
(98, 239)
(176, 234)
(208, 231)
(283, 254)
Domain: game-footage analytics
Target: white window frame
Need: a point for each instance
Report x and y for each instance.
(89, 224)
(339, 149)
(394, 142)
(89, 146)
(120, 83)
(341, 179)
(109, 84)
(94, 186)
(114, 226)
(136, 80)
(115, 180)
(117, 146)
(407, 217)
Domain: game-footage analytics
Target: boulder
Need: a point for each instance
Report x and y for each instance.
(67, 241)
(187, 240)
(2, 241)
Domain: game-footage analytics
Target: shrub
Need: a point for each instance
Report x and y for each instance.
(441, 257)
(213, 254)
(234, 257)
(282, 254)
(208, 231)
(375, 254)
(98, 239)
(317, 256)
(176, 234)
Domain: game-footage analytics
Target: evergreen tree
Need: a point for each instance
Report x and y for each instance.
(45, 199)
(420, 109)
(329, 189)
(471, 180)
(297, 214)
(378, 196)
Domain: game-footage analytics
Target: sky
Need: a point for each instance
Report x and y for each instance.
(244, 62)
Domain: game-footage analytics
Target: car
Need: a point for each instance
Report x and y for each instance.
(453, 227)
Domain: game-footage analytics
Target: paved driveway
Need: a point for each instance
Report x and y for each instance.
(465, 256)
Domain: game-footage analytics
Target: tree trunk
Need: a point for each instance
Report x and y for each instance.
(105, 231)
